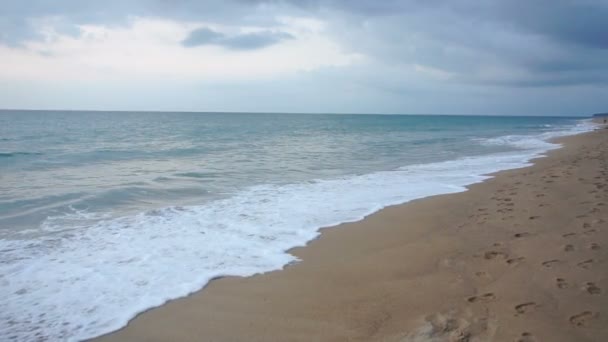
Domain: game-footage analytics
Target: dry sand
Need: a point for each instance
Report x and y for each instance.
(520, 257)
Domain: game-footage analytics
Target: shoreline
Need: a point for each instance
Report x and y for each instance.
(347, 282)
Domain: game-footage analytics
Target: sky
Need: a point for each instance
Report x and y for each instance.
(511, 57)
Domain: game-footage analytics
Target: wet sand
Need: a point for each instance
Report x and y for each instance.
(520, 257)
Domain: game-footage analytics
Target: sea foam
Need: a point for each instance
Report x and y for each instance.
(540, 141)
(91, 274)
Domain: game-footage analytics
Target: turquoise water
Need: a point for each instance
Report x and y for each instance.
(137, 208)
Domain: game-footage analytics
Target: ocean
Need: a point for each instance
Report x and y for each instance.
(106, 214)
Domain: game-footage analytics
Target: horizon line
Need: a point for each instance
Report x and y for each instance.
(288, 113)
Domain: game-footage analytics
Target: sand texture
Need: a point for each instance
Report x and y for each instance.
(520, 257)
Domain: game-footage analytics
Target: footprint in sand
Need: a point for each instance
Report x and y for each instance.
(582, 319)
(550, 263)
(493, 255)
(585, 264)
(594, 247)
(520, 235)
(590, 232)
(526, 337)
(568, 248)
(484, 298)
(591, 288)
(483, 275)
(515, 261)
(561, 283)
(534, 217)
(567, 235)
(525, 308)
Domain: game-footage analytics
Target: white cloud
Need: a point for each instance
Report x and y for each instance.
(150, 49)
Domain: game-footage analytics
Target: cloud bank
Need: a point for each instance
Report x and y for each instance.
(408, 56)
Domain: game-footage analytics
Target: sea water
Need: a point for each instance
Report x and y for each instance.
(106, 214)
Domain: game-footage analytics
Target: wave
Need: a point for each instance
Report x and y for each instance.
(133, 263)
(17, 154)
(199, 174)
(539, 141)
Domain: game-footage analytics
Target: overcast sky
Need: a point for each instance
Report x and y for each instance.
(335, 56)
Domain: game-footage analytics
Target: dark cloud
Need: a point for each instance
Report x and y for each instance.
(581, 23)
(244, 41)
(577, 21)
(202, 36)
(507, 43)
(254, 40)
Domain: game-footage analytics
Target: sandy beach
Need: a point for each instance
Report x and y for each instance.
(519, 257)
